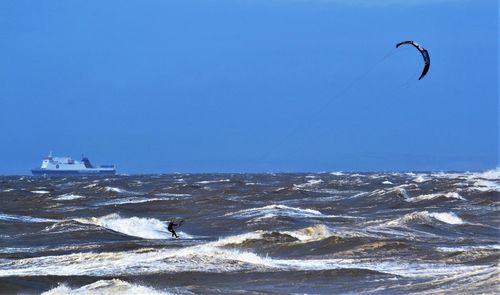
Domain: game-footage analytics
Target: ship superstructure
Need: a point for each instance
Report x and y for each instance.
(69, 167)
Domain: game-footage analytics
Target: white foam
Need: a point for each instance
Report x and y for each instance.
(387, 182)
(213, 181)
(67, 197)
(206, 258)
(485, 186)
(120, 190)
(337, 173)
(449, 195)
(312, 233)
(426, 217)
(104, 287)
(308, 234)
(40, 192)
(12, 217)
(421, 178)
(309, 183)
(490, 174)
(447, 217)
(171, 195)
(280, 210)
(238, 239)
(468, 248)
(146, 228)
(134, 200)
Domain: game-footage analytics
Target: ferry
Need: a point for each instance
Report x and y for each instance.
(66, 166)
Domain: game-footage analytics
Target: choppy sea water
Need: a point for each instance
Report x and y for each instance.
(320, 233)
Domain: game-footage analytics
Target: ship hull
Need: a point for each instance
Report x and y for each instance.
(89, 172)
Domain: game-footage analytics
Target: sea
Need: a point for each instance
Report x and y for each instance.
(283, 233)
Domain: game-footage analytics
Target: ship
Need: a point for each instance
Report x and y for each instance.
(66, 166)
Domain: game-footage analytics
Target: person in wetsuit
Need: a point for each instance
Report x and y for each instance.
(170, 228)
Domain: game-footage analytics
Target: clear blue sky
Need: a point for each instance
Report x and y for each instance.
(250, 85)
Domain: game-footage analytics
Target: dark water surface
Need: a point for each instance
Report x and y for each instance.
(326, 233)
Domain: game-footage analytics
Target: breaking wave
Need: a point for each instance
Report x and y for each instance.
(120, 190)
(308, 234)
(449, 195)
(134, 200)
(271, 211)
(213, 259)
(213, 181)
(103, 287)
(41, 192)
(67, 197)
(485, 186)
(427, 218)
(146, 228)
(12, 217)
(309, 183)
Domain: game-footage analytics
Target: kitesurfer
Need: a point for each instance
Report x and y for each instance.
(171, 226)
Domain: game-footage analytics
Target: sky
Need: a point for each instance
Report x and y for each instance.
(162, 86)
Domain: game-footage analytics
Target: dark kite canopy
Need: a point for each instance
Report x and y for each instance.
(425, 55)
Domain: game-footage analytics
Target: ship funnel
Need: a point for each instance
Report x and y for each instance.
(86, 162)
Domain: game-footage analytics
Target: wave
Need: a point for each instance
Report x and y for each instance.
(40, 192)
(493, 174)
(469, 248)
(134, 200)
(275, 210)
(119, 190)
(485, 186)
(309, 183)
(449, 195)
(28, 219)
(205, 258)
(146, 228)
(427, 218)
(213, 181)
(172, 195)
(421, 178)
(308, 234)
(67, 197)
(102, 287)
(337, 173)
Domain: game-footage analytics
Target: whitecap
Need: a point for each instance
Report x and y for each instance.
(421, 178)
(427, 217)
(146, 228)
(447, 217)
(309, 183)
(468, 248)
(485, 186)
(280, 210)
(213, 181)
(337, 173)
(67, 197)
(449, 195)
(134, 200)
(308, 234)
(103, 287)
(30, 219)
(206, 258)
(119, 190)
(171, 195)
(40, 192)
